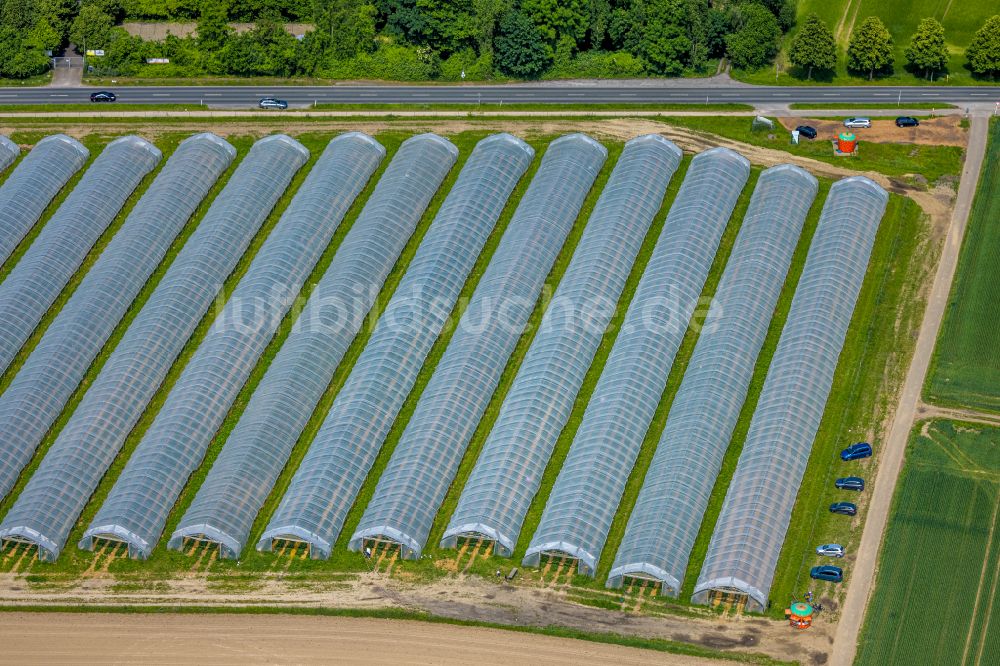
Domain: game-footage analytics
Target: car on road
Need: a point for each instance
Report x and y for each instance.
(856, 451)
(844, 508)
(858, 123)
(830, 550)
(272, 103)
(103, 96)
(850, 483)
(807, 131)
(907, 121)
(827, 572)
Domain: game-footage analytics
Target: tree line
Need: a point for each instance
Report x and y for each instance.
(870, 50)
(456, 39)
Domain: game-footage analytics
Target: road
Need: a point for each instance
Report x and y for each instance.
(863, 570)
(104, 638)
(561, 93)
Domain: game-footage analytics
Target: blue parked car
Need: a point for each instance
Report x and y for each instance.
(856, 451)
(850, 483)
(844, 508)
(827, 572)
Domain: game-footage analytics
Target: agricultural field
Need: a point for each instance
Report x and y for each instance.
(960, 21)
(936, 599)
(874, 359)
(966, 367)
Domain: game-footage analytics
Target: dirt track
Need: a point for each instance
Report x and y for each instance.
(253, 639)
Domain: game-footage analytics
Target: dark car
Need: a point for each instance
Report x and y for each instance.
(806, 131)
(907, 121)
(827, 572)
(103, 96)
(843, 508)
(856, 451)
(850, 483)
(272, 103)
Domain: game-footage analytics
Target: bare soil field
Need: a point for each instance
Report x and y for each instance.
(99, 638)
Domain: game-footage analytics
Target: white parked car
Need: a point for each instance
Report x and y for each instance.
(830, 550)
(858, 123)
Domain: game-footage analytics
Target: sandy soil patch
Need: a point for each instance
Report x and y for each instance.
(940, 131)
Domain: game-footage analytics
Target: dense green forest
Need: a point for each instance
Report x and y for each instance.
(448, 40)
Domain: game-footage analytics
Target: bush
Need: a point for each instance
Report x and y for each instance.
(398, 63)
(476, 68)
(599, 65)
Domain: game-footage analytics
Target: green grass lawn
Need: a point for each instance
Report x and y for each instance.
(966, 367)
(926, 106)
(935, 599)
(961, 20)
(892, 159)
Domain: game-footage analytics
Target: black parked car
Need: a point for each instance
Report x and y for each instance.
(103, 96)
(844, 508)
(850, 483)
(806, 131)
(907, 121)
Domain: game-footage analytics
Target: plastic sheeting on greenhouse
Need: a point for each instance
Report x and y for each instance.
(428, 454)
(590, 484)
(175, 443)
(507, 475)
(668, 513)
(327, 481)
(8, 152)
(86, 446)
(295, 381)
(33, 184)
(63, 243)
(747, 540)
(53, 370)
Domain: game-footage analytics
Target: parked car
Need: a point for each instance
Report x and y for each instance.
(858, 123)
(806, 131)
(856, 451)
(907, 121)
(103, 96)
(272, 103)
(844, 508)
(827, 572)
(850, 483)
(830, 550)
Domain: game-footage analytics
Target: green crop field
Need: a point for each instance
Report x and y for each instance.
(935, 599)
(961, 20)
(966, 367)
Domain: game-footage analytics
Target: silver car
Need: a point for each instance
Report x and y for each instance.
(830, 550)
(858, 123)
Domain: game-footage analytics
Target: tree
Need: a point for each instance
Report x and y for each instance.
(664, 43)
(927, 52)
(813, 46)
(519, 48)
(346, 26)
(755, 42)
(556, 18)
(984, 50)
(870, 47)
(92, 28)
(213, 30)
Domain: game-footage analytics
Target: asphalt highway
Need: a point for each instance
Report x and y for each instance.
(562, 93)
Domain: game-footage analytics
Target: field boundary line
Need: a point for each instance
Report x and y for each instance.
(860, 587)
